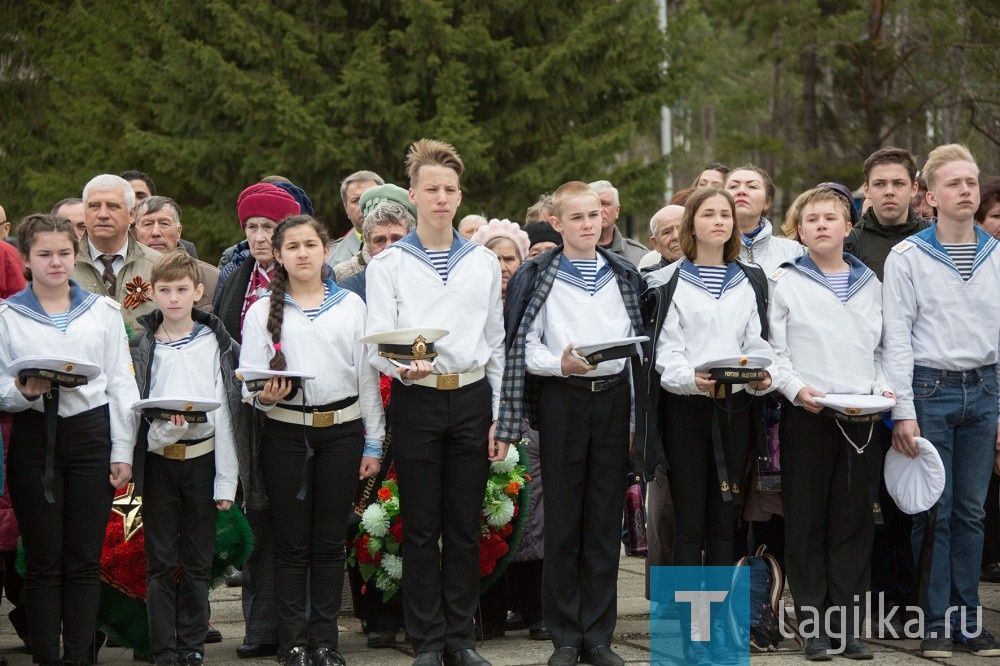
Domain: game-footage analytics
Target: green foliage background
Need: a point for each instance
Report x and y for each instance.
(210, 96)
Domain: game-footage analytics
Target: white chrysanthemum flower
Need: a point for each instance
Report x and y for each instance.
(500, 512)
(375, 520)
(507, 464)
(393, 565)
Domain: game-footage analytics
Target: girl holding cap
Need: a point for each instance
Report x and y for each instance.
(317, 440)
(713, 315)
(67, 439)
(826, 482)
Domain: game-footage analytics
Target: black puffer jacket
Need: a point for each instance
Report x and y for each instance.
(871, 241)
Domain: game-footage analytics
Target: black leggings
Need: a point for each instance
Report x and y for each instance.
(704, 520)
(309, 534)
(62, 541)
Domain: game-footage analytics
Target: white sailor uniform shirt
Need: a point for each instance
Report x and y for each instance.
(700, 328)
(325, 346)
(404, 290)
(819, 341)
(194, 370)
(933, 318)
(95, 333)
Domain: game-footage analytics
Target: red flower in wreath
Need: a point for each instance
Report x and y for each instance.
(136, 293)
(396, 531)
(384, 494)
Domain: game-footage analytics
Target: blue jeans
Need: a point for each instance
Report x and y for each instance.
(957, 412)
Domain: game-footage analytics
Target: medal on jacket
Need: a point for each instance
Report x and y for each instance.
(136, 293)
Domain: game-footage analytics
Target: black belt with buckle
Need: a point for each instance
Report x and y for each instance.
(310, 409)
(597, 385)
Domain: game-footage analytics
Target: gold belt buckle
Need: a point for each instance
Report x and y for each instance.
(323, 419)
(175, 451)
(447, 382)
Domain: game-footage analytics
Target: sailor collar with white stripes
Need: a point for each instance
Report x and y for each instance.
(689, 273)
(333, 295)
(568, 272)
(858, 273)
(927, 241)
(26, 303)
(460, 248)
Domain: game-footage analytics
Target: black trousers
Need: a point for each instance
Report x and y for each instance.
(258, 582)
(178, 510)
(894, 565)
(704, 519)
(661, 525)
(519, 589)
(439, 440)
(62, 541)
(828, 511)
(309, 534)
(583, 440)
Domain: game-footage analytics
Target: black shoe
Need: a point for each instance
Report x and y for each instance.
(564, 656)
(234, 579)
(855, 649)
(192, 659)
(990, 573)
(515, 621)
(255, 650)
(538, 632)
(327, 657)
(601, 655)
(297, 656)
(466, 657)
(489, 633)
(432, 658)
(213, 635)
(817, 649)
(383, 638)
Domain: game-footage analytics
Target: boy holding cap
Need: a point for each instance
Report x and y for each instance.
(940, 353)
(441, 417)
(193, 470)
(575, 293)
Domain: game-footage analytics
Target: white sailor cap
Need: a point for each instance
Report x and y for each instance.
(406, 344)
(195, 410)
(598, 352)
(856, 407)
(736, 369)
(915, 484)
(255, 378)
(60, 370)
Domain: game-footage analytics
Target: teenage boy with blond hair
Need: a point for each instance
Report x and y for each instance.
(575, 293)
(442, 415)
(940, 354)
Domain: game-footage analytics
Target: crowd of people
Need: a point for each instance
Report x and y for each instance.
(276, 380)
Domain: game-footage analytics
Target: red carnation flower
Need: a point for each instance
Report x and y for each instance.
(384, 494)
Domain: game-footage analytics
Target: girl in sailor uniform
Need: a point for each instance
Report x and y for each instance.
(70, 448)
(317, 439)
(713, 315)
(826, 329)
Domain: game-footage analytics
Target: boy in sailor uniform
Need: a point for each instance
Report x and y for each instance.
(826, 328)
(442, 416)
(191, 468)
(941, 354)
(572, 294)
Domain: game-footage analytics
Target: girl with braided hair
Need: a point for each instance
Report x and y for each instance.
(319, 435)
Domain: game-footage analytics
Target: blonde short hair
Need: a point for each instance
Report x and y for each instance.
(952, 152)
(429, 152)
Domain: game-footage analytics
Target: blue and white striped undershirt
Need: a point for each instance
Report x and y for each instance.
(713, 277)
(838, 283)
(61, 320)
(588, 270)
(439, 258)
(964, 255)
(312, 313)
